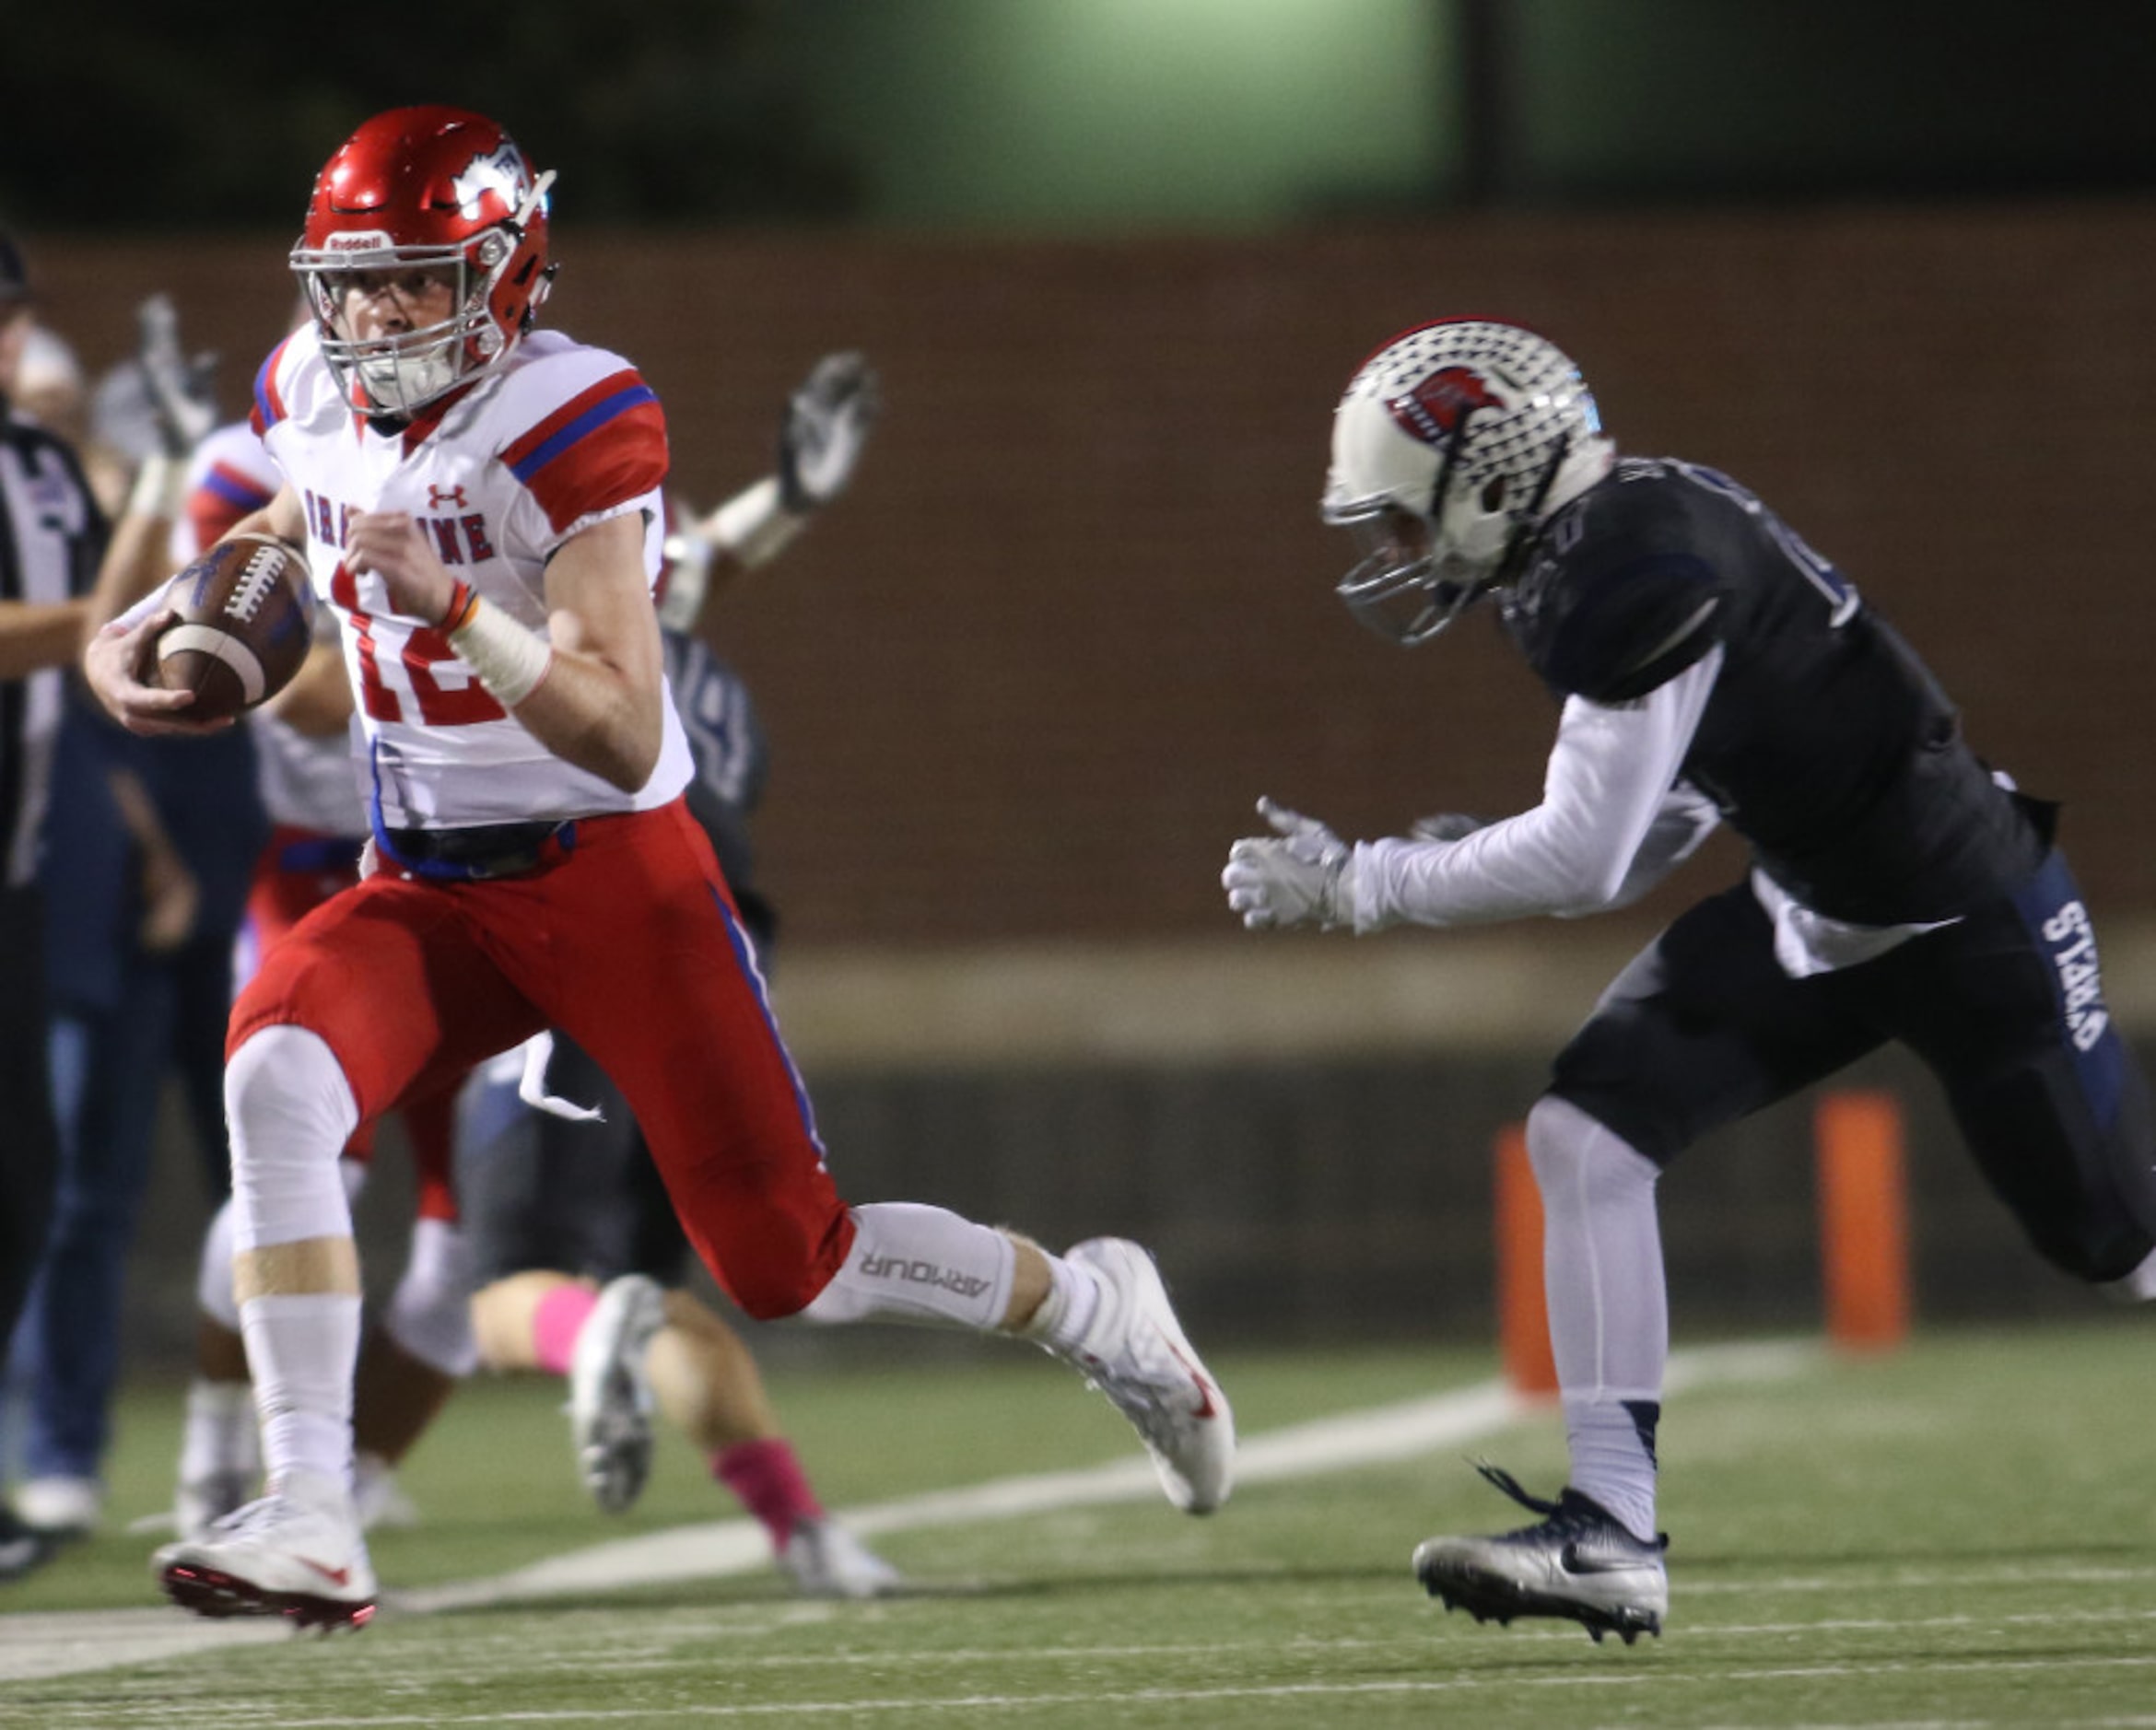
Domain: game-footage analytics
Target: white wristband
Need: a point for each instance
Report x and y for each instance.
(160, 488)
(753, 527)
(508, 659)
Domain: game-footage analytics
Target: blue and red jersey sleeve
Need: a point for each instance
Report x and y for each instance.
(603, 446)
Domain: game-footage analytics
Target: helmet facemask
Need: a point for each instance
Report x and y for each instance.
(434, 191)
(1410, 583)
(1471, 432)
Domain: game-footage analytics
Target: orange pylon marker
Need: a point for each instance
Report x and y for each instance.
(1523, 1308)
(1863, 1220)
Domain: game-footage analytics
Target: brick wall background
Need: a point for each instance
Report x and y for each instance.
(1027, 678)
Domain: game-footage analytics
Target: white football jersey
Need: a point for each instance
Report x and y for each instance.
(560, 439)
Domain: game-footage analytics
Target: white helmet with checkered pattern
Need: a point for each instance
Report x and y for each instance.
(1449, 445)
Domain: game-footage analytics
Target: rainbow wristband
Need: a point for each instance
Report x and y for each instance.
(463, 603)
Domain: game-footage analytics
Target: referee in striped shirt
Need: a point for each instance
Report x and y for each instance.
(52, 536)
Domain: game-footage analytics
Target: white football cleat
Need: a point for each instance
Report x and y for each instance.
(826, 1561)
(297, 1552)
(610, 1397)
(60, 1508)
(1135, 1353)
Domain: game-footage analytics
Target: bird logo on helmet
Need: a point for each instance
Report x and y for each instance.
(1436, 408)
(1451, 444)
(433, 190)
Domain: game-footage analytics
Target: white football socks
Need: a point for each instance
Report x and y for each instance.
(218, 1434)
(1067, 1311)
(1609, 1307)
(429, 1314)
(292, 1111)
(302, 1349)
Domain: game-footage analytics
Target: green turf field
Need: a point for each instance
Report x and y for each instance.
(1960, 1533)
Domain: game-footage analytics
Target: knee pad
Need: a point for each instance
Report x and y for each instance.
(429, 1314)
(292, 1111)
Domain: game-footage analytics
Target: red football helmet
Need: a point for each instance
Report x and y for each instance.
(428, 189)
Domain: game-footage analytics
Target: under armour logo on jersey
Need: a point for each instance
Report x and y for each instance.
(1435, 409)
(441, 498)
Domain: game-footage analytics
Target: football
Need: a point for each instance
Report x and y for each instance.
(246, 618)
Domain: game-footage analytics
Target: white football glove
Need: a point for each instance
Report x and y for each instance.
(1305, 876)
(826, 429)
(181, 391)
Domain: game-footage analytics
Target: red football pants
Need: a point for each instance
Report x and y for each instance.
(631, 945)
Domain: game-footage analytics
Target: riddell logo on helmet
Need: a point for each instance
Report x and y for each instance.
(360, 241)
(1433, 410)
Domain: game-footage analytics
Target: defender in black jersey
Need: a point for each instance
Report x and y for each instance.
(1712, 667)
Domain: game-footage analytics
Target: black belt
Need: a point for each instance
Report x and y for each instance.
(483, 851)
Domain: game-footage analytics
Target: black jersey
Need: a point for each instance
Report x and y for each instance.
(1826, 742)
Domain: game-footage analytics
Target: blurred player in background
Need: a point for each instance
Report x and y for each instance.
(50, 389)
(52, 534)
(1712, 667)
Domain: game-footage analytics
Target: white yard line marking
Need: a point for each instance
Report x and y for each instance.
(64, 1643)
(67, 1643)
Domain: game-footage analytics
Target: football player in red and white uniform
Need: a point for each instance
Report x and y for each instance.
(625, 1345)
(480, 504)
